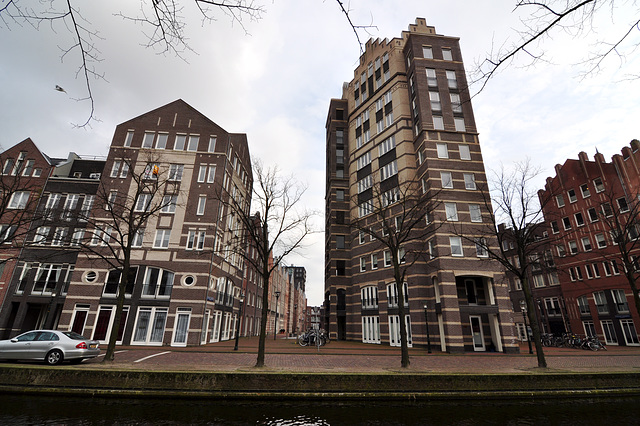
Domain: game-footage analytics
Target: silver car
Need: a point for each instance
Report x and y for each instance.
(50, 346)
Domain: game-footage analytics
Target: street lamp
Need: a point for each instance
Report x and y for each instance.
(275, 321)
(523, 308)
(426, 321)
(235, 347)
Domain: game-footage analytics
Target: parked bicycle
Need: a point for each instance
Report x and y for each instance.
(313, 337)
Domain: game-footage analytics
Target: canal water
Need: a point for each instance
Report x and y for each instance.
(38, 410)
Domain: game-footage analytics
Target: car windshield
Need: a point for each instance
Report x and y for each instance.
(73, 335)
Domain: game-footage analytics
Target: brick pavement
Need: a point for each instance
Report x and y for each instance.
(285, 355)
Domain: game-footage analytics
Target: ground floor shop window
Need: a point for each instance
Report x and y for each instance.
(371, 329)
(589, 328)
(79, 318)
(522, 332)
(104, 323)
(609, 331)
(150, 324)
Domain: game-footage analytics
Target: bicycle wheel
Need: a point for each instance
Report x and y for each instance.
(592, 346)
(302, 341)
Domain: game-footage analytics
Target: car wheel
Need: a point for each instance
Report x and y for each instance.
(54, 357)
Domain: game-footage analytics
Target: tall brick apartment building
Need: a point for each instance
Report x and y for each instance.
(580, 202)
(406, 116)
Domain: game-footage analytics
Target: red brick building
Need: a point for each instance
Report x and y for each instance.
(580, 203)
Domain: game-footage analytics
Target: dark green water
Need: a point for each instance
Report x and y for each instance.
(36, 410)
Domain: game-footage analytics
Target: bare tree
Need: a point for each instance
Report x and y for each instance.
(548, 18)
(516, 204)
(400, 223)
(277, 228)
(119, 219)
(164, 17)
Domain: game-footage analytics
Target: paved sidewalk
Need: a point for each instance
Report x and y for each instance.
(339, 356)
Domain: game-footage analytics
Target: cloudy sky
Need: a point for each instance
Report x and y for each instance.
(275, 83)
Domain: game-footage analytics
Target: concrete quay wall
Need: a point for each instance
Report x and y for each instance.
(278, 385)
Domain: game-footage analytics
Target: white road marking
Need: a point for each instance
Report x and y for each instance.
(151, 356)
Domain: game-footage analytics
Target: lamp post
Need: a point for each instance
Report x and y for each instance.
(426, 322)
(235, 347)
(275, 321)
(523, 308)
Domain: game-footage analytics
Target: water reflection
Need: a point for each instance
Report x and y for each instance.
(29, 410)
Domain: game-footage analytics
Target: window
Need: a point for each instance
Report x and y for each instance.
(600, 241)
(195, 240)
(572, 195)
(388, 170)
(363, 264)
(85, 209)
(162, 238)
(427, 52)
(584, 189)
(365, 208)
(47, 277)
(459, 124)
(364, 184)
(339, 194)
(445, 178)
(392, 294)
(589, 270)
(622, 204)
(387, 258)
(451, 211)
(19, 200)
(465, 154)
(161, 141)
(202, 202)
(451, 79)
(609, 331)
(175, 172)
(169, 203)
(340, 241)
(212, 144)
(364, 159)
(469, 181)
(128, 138)
(443, 152)
(438, 122)
(147, 142)
(137, 238)
(456, 246)
(597, 183)
(434, 98)
(157, 283)
(150, 324)
(601, 302)
(431, 77)
(59, 235)
(41, 234)
(6, 235)
(113, 281)
(369, 296)
(143, 202)
(566, 223)
(180, 141)
(583, 305)
(193, 143)
(579, 219)
(456, 104)
(374, 261)
(115, 168)
(573, 247)
(386, 146)
(481, 247)
(446, 54)
(620, 300)
(475, 213)
(629, 330)
(593, 214)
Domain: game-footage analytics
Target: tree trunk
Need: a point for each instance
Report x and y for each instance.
(263, 323)
(404, 346)
(533, 323)
(122, 288)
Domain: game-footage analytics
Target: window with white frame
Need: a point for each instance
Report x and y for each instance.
(386, 145)
(560, 200)
(387, 258)
(572, 195)
(365, 208)
(475, 212)
(143, 202)
(147, 142)
(573, 247)
(620, 300)
(59, 236)
(434, 98)
(161, 140)
(579, 219)
(42, 232)
(169, 203)
(459, 124)
(446, 179)
(157, 283)
(583, 305)
(47, 277)
(193, 142)
(538, 281)
(593, 214)
(115, 168)
(388, 170)
(584, 189)
(601, 302)
(446, 54)
(481, 247)
(597, 183)
(162, 238)
(128, 138)
(586, 243)
(469, 181)
(371, 329)
(431, 77)
(363, 264)
(19, 200)
(365, 183)
(427, 52)
(364, 160)
(374, 261)
(87, 205)
(451, 79)
(566, 223)
(465, 153)
(138, 236)
(77, 237)
(392, 294)
(202, 202)
(175, 172)
(212, 144)
(442, 150)
(456, 246)
(451, 211)
(150, 325)
(438, 122)
(622, 205)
